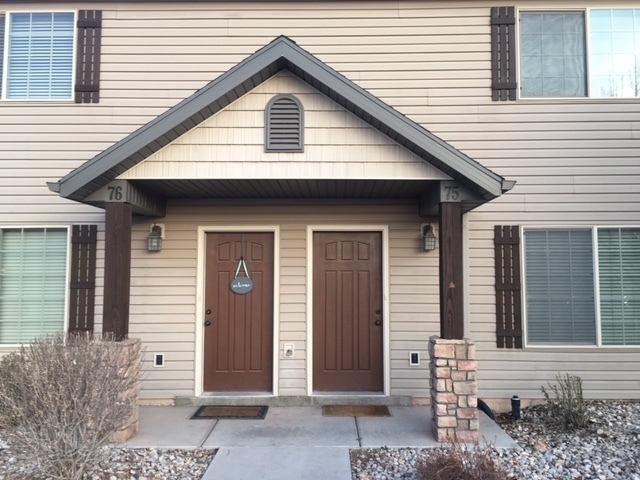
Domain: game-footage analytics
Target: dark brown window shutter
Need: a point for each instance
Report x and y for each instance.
(503, 53)
(508, 290)
(87, 89)
(83, 278)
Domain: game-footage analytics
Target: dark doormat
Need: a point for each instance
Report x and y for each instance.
(356, 411)
(225, 412)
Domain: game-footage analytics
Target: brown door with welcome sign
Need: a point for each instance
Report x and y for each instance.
(347, 311)
(238, 338)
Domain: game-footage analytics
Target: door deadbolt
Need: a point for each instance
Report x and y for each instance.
(208, 312)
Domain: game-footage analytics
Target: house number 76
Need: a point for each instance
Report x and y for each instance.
(115, 193)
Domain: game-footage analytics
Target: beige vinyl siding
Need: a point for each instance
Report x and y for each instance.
(163, 290)
(576, 162)
(337, 144)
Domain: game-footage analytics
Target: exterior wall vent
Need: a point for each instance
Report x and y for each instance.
(284, 125)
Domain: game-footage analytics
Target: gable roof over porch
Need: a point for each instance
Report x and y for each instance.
(281, 54)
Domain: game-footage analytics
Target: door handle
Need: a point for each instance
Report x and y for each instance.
(378, 322)
(207, 323)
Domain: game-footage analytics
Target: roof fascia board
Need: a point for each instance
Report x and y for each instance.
(273, 56)
(395, 120)
(148, 133)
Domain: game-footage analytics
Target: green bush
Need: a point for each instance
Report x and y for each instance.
(566, 402)
(458, 463)
(68, 395)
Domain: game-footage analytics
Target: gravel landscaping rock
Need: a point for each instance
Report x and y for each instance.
(609, 449)
(122, 463)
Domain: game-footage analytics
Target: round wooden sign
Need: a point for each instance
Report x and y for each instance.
(241, 285)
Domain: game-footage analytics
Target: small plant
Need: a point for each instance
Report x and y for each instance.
(68, 395)
(459, 463)
(566, 402)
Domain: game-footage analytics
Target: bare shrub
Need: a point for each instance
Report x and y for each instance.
(7, 362)
(457, 463)
(68, 395)
(566, 402)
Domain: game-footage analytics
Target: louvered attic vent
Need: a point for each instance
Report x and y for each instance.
(284, 125)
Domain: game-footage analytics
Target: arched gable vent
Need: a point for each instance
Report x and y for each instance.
(284, 124)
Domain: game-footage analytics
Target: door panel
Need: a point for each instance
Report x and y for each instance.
(347, 311)
(238, 339)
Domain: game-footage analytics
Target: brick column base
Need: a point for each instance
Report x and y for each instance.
(454, 390)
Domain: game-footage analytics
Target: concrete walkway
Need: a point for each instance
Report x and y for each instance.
(292, 443)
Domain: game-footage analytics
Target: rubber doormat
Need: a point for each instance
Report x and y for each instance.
(226, 412)
(356, 411)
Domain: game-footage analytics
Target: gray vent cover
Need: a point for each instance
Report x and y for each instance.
(284, 125)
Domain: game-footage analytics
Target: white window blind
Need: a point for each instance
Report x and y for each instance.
(559, 287)
(40, 56)
(33, 272)
(2, 30)
(619, 275)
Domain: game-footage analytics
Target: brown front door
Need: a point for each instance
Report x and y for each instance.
(347, 311)
(238, 338)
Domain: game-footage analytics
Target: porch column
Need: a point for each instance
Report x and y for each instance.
(117, 269)
(451, 278)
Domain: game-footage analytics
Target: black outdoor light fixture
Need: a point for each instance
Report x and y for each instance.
(429, 238)
(154, 240)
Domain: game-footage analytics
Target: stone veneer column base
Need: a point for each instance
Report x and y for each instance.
(132, 426)
(454, 390)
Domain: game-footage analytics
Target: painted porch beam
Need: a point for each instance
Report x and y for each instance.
(124, 191)
(117, 269)
(451, 279)
(448, 191)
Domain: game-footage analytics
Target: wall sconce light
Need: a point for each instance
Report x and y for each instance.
(154, 240)
(429, 238)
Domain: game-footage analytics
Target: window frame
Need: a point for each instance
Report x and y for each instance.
(5, 57)
(587, 25)
(67, 277)
(596, 288)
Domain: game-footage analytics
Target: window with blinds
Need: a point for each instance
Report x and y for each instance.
(3, 23)
(619, 275)
(39, 53)
(576, 281)
(559, 287)
(33, 273)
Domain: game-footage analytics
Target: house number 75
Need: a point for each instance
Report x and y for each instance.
(452, 192)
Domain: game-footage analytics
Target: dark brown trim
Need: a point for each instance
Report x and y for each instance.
(117, 269)
(89, 25)
(508, 287)
(503, 53)
(451, 275)
(84, 239)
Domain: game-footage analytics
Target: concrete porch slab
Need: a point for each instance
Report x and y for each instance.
(407, 427)
(170, 427)
(286, 427)
(275, 463)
